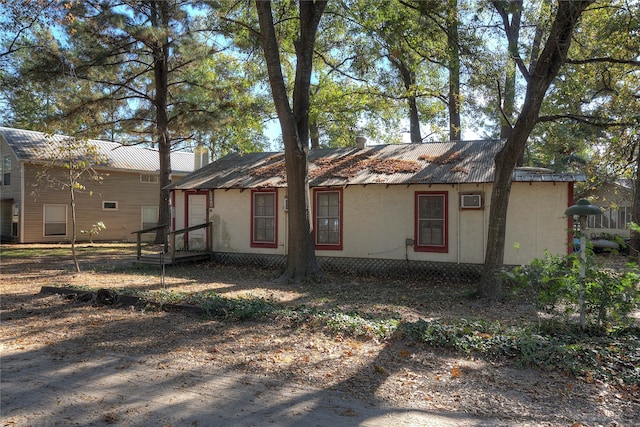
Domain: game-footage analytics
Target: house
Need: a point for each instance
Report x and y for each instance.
(382, 205)
(125, 200)
(616, 200)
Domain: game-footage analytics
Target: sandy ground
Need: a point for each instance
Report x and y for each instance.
(66, 362)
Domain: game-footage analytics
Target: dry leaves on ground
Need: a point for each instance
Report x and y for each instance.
(395, 373)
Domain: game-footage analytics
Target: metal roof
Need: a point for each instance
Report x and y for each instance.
(528, 174)
(40, 147)
(429, 163)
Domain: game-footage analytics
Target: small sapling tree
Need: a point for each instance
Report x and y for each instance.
(94, 230)
(69, 163)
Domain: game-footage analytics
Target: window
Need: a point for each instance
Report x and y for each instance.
(149, 179)
(263, 218)
(109, 206)
(6, 170)
(431, 222)
(328, 219)
(55, 220)
(611, 218)
(149, 217)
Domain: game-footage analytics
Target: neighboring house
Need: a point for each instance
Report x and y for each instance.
(616, 201)
(125, 200)
(409, 202)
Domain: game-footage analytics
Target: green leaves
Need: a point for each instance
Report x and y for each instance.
(554, 283)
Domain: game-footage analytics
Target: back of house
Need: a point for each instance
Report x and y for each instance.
(379, 206)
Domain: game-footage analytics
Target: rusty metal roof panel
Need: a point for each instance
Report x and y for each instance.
(455, 162)
(40, 147)
(447, 162)
(403, 164)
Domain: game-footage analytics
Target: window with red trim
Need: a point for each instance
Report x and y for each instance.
(264, 230)
(431, 222)
(328, 219)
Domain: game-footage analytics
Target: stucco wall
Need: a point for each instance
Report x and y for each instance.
(231, 218)
(378, 222)
(536, 221)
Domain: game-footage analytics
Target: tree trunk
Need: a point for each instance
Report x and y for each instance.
(453, 97)
(74, 226)
(509, 98)
(553, 56)
(409, 82)
(159, 16)
(634, 249)
(314, 135)
(301, 257)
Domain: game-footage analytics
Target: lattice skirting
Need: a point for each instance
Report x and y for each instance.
(364, 266)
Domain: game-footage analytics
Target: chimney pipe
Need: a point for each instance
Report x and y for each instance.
(361, 141)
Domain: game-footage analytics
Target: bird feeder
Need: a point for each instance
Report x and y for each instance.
(580, 211)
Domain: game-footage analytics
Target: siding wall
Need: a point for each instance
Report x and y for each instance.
(9, 194)
(124, 188)
(378, 220)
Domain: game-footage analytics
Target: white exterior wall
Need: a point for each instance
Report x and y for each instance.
(231, 218)
(378, 221)
(536, 221)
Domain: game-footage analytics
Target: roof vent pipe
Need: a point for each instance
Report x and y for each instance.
(361, 141)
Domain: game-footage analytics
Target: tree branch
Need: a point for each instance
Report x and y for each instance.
(605, 59)
(589, 120)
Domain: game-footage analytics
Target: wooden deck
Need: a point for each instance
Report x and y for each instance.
(180, 257)
(166, 253)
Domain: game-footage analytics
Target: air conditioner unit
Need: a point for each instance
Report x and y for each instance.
(471, 201)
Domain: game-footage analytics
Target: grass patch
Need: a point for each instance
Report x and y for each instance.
(33, 251)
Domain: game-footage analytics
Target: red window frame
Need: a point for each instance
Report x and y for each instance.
(258, 243)
(322, 245)
(418, 246)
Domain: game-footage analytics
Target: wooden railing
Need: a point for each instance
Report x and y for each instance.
(172, 238)
(139, 234)
(169, 248)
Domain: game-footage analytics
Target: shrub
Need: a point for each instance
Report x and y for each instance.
(555, 284)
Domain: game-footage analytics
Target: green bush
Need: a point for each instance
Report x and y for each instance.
(555, 284)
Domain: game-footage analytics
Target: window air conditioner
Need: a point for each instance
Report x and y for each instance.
(471, 201)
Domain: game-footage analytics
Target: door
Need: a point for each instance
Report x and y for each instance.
(196, 215)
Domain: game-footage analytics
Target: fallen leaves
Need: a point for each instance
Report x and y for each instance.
(443, 159)
(455, 372)
(412, 376)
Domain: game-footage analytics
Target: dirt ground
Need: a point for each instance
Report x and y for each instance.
(396, 372)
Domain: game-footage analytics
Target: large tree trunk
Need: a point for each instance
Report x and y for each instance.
(409, 82)
(509, 97)
(553, 56)
(160, 13)
(453, 97)
(301, 258)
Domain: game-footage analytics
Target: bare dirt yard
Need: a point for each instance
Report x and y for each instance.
(393, 372)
